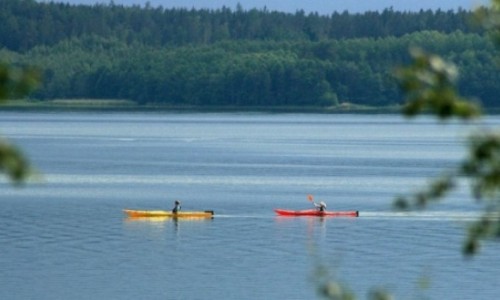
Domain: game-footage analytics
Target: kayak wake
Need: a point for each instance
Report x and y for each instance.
(423, 215)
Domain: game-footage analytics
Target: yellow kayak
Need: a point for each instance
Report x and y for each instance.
(167, 213)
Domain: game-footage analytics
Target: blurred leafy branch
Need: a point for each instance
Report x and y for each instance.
(15, 82)
(489, 18)
(429, 86)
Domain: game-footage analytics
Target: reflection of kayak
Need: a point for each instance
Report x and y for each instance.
(155, 219)
(168, 214)
(316, 213)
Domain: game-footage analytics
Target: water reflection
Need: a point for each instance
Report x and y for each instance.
(68, 237)
(148, 219)
(311, 226)
(161, 223)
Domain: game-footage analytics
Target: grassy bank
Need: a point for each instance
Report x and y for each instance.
(68, 103)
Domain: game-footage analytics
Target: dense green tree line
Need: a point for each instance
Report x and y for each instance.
(261, 58)
(253, 73)
(26, 23)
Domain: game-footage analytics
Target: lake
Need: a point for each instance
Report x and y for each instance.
(64, 235)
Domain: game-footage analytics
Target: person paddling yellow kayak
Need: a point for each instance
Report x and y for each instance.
(177, 206)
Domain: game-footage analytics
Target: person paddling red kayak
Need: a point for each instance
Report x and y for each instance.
(320, 206)
(319, 211)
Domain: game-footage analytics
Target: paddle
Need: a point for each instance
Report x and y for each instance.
(310, 198)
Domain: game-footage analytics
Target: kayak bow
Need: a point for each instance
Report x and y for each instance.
(316, 213)
(166, 213)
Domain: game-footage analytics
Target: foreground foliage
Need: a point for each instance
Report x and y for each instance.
(430, 88)
(14, 82)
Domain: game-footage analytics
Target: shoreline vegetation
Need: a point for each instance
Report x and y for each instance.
(128, 105)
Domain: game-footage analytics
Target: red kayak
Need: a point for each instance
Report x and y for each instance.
(316, 213)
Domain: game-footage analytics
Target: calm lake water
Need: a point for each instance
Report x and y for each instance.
(65, 236)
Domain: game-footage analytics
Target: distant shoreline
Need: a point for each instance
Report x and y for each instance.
(118, 105)
(127, 105)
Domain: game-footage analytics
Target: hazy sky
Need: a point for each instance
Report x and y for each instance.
(321, 6)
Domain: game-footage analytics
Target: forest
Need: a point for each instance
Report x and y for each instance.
(236, 57)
